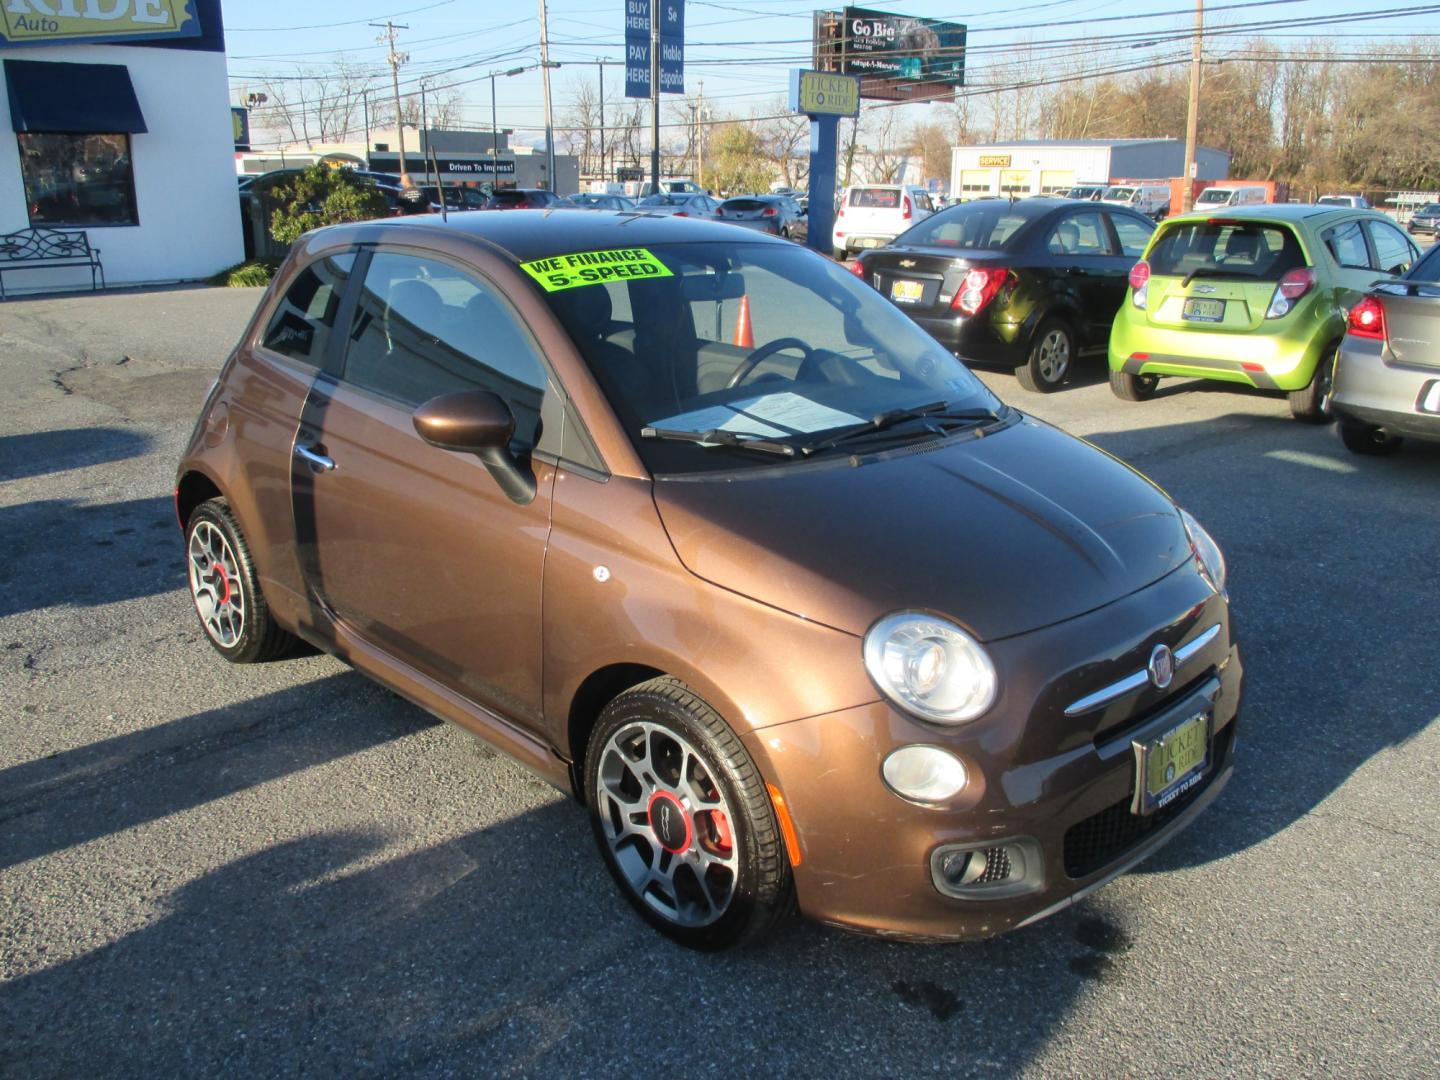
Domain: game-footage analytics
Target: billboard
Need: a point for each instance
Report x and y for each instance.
(898, 57)
(50, 22)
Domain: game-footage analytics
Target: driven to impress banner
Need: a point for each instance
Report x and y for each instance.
(38, 22)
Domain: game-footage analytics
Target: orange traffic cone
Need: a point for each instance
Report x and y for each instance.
(744, 336)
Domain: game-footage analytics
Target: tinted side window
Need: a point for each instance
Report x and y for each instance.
(301, 324)
(424, 328)
(1134, 235)
(1393, 251)
(1347, 244)
(1079, 234)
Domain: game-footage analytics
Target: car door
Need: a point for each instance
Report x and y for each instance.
(1349, 251)
(416, 549)
(1086, 270)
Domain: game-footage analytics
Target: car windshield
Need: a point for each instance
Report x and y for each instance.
(1429, 209)
(1213, 196)
(748, 204)
(744, 341)
(988, 224)
(1245, 249)
(1124, 194)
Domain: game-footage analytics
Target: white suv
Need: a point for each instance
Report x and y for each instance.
(871, 215)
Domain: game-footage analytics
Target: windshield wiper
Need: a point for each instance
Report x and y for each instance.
(935, 410)
(719, 437)
(1212, 271)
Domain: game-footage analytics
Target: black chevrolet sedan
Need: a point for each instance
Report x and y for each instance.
(1029, 284)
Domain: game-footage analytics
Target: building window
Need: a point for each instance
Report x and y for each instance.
(80, 180)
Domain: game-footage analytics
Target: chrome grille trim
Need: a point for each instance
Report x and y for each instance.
(1132, 682)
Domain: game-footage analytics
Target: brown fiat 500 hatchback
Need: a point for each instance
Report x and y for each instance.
(699, 527)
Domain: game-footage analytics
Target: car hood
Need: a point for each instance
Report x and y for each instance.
(1004, 534)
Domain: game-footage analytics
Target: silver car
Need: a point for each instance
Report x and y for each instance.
(1387, 372)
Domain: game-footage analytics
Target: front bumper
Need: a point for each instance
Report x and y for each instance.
(1063, 783)
(1374, 388)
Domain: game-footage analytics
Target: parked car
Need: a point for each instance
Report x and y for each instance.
(1152, 200)
(532, 488)
(597, 201)
(779, 215)
(1225, 195)
(1028, 285)
(671, 187)
(456, 197)
(683, 204)
(1387, 372)
(521, 199)
(1256, 297)
(1354, 202)
(1425, 220)
(871, 215)
(1088, 192)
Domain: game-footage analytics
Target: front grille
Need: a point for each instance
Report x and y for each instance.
(1100, 839)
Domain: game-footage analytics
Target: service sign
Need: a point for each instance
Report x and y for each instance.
(46, 22)
(818, 93)
(994, 161)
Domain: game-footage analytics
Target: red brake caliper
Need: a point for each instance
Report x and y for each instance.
(224, 583)
(719, 831)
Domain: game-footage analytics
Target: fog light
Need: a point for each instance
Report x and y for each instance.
(992, 870)
(924, 774)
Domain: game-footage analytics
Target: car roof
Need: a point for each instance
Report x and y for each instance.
(524, 235)
(1287, 212)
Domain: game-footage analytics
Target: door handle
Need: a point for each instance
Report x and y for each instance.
(317, 462)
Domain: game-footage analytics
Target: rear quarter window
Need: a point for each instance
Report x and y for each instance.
(301, 323)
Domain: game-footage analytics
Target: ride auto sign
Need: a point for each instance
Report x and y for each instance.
(37, 22)
(671, 16)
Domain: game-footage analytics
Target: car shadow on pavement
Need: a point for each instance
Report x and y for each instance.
(130, 549)
(507, 951)
(39, 453)
(102, 788)
(1287, 501)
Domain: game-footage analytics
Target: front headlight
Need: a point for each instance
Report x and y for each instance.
(930, 667)
(1207, 552)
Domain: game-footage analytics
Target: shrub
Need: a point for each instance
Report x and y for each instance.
(246, 275)
(321, 195)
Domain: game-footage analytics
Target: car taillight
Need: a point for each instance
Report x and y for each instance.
(906, 212)
(769, 211)
(682, 213)
(857, 268)
(1295, 284)
(979, 288)
(1140, 284)
(1367, 319)
(841, 212)
(719, 211)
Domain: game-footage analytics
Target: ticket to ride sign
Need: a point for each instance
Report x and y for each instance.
(37, 22)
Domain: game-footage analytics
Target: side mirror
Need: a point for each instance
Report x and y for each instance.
(478, 422)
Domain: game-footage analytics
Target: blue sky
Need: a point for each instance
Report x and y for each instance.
(741, 50)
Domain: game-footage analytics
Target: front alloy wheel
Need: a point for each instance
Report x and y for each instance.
(683, 818)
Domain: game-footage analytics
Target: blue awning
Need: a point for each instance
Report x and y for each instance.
(82, 99)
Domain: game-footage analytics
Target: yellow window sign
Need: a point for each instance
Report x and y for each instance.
(93, 21)
(594, 268)
(820, 93)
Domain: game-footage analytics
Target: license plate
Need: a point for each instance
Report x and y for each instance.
(907, 292)
(1203, 310)
(1170, 765)
(868, 242)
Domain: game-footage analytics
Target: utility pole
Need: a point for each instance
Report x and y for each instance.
(654, 97)
(395, 59)
(365, 104)
(549, 116)
(601, 65)
(1192, 114)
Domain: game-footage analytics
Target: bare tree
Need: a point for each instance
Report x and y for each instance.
(785, 137)
(888, 145)
(319, 105)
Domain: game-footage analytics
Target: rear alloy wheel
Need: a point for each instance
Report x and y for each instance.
(1367, 438)
(1050, 358)
(683, 819)
(227, 596)
(1129, 387)
(1312, 403)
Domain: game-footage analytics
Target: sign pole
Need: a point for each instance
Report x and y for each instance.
(655, 97)
(820, 217)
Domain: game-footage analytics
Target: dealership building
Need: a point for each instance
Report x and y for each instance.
(1031, 167)
(117, 122)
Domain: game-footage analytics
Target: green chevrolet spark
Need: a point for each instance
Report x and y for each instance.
(1256, 296)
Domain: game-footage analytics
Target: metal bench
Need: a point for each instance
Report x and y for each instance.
(41, 249)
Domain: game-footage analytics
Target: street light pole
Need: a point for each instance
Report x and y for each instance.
(545, 66)
(1192, 113)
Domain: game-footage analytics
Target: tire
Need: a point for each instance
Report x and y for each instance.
(228, 601)
(838, 254)
(1051, 359)
(1367, 438)
(1129, 387)
(1311, 403)
(656, 746)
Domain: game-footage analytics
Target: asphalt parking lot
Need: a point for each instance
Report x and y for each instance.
(284, 869)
